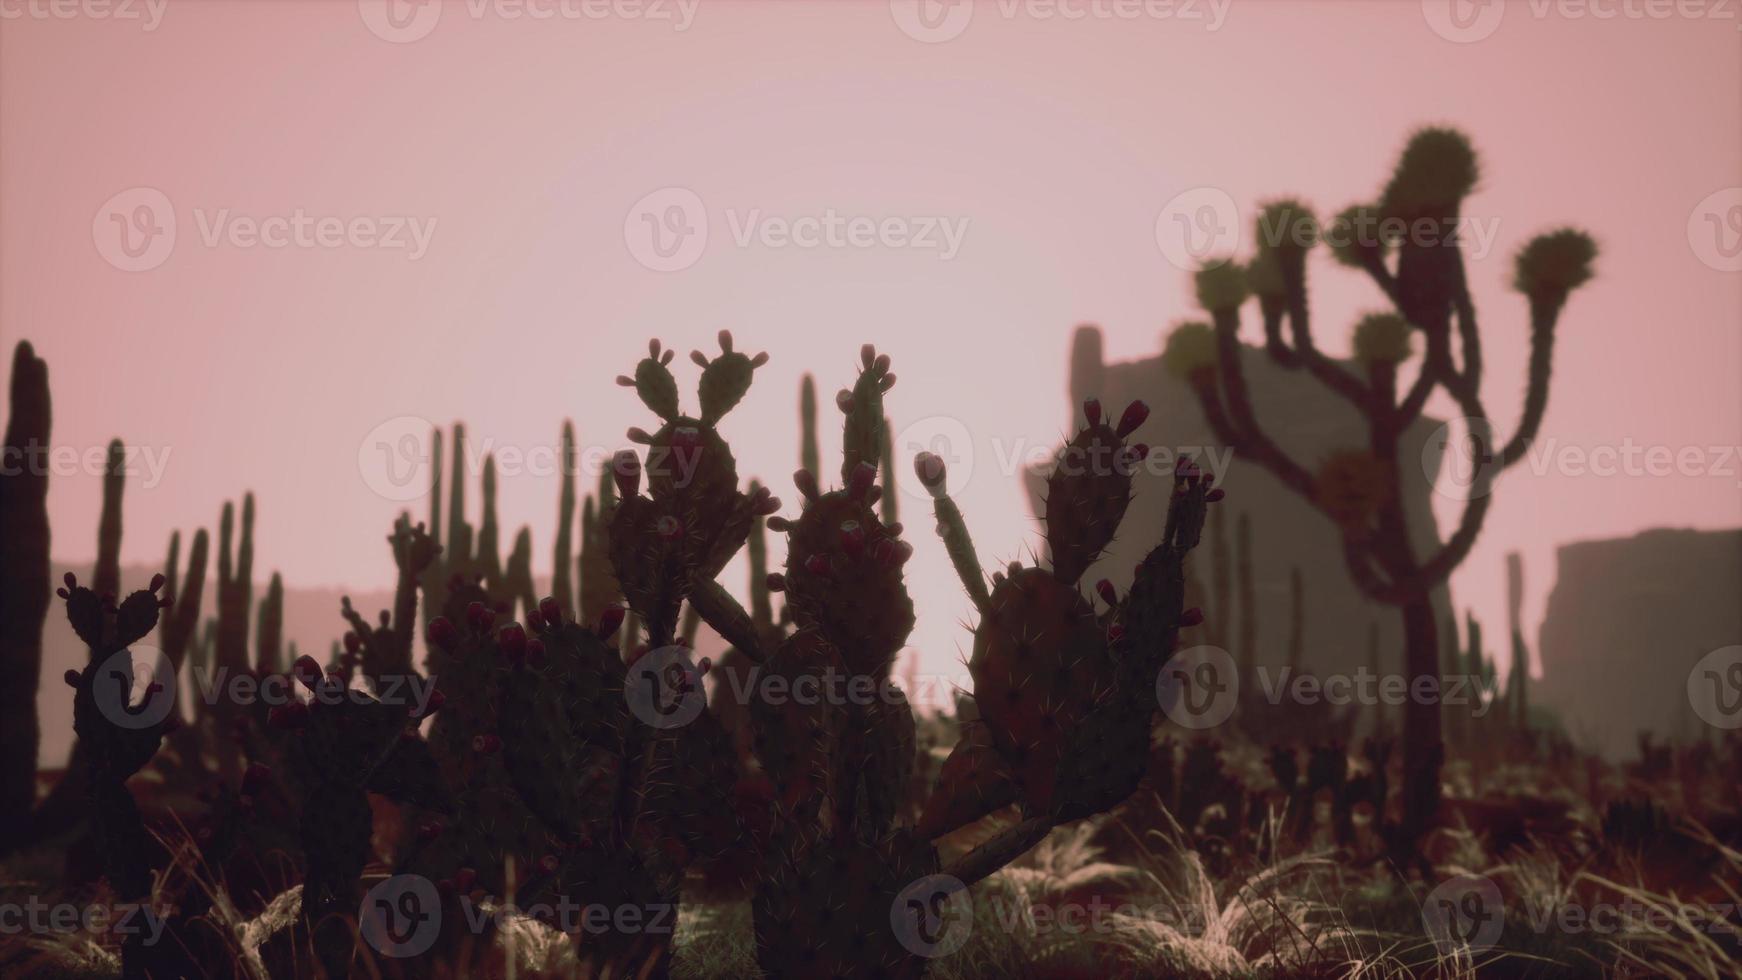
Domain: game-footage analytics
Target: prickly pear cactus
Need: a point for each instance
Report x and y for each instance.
(1065, 686)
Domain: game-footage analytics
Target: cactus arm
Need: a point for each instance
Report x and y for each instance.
(1243, 434)
(989, 857)
(809, 455)
(953, 529)
(761, 603)
(863, 433)
(727, 617)
(1327, 371)
(106, 579)
(561, 582)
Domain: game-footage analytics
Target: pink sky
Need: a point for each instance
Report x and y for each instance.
(526, 143)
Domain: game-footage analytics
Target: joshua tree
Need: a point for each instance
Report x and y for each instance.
(1425, 285)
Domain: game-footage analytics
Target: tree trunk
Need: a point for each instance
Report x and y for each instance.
(1423, 749)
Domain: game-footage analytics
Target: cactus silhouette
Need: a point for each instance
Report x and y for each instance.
(1427, 288)
(24, 586)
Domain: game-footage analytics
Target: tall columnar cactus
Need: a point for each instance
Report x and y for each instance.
(269, 634)
(1427, 289)
(562, 585)
(24, 584)
(235, 595)
(106, 577)
(598, 582)
(1518, 688)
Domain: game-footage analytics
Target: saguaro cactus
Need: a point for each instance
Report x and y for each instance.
(1417, 217)
(24, 585)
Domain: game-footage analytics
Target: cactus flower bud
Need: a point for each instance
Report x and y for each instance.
(806, 481)
(548, 864)
(1104, 589)
(535, 652)
(480, 617)
(71, 677)
(1135, 415)
(1191, 617)
(817, 565)
(930, 469)
(157, 581)
(1092, 411)
(852, 538)
(534, 620)
(430, 831)
(550, 610)
(440, 631)
(609, 621)
(464, 879)
(860, 481)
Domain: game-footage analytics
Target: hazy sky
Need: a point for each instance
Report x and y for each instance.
(1015, 164)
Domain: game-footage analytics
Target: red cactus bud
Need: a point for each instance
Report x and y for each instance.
(852, 538)
(929, 467)
(844, 400)
(464, 879)
(535, 654)
(626, 471)
(903, 551)
(548, 864)
(1139, 452)
(669, 527)
(157, 581)
(430, 831)
(706, 664)
(881, 365)
(776, 582)
(254, 779)
(1092, 411)
(609, 620)
(440, 631)
(534, 619)
(445, 886)
(686, 438)
(896, 529)
(63, 593)
(1191, 617)
(486, 744)
(1115, 633)
(1187, 469)
(1135, 415)
(165, 602)
(550, 610)
(1215, 495)
(818, 565)
(480, 617)
(859, 482)
(71, 677)
(353, 642)
(806, 481)
(1104, 588)
(306, 671)
(868, 354)
(512, 639)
